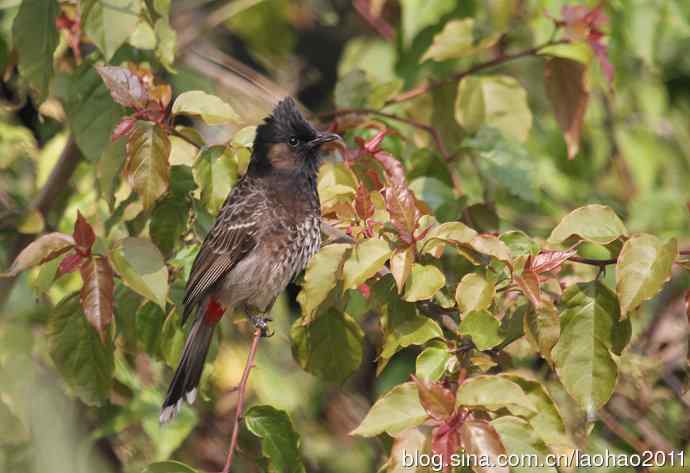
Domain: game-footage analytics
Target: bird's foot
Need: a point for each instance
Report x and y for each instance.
(261, 321)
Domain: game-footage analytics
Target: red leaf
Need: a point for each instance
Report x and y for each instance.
(363, 204)
(70, 263)
(565, 81)
(445, 438)
(84, 236)
(372, 146)
(123, 128)
(548, 261)
(480, 439)
(438, 401)
(97, 293)
(126, 87)
(528, 282)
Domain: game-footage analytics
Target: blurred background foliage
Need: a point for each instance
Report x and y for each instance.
(634, 156)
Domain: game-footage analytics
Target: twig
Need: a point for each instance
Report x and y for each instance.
(593, 262)
(240, 399)
(428, 86)
(370, 111)
(378, 24)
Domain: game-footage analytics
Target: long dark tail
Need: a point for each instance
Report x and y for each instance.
(188, 373)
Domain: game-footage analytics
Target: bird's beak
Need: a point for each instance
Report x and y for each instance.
(324, 138)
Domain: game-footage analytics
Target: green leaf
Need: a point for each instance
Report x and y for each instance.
(84, 362)
(431, 363)
(644, 265)
(313, 346)
(109, 23)
(279, 441)
(91, 112)
(593, 223)
(169, 467)
(419, 14)
(167, 41)
(456, 40)
(149, 327)
(450, 232)
(396, 411)
(423, 283)
(403, 327)
(169, 222)
(215, 172)
(366, 259)
(519, 438)
(142, 269)
(353, 90)
(483, 328)
(35, 37)
(147, 168)
(493, 392)
(546, 420)
(474, 292)
(504, 162)
(583, 358)
(492, 246)
(209, 108)
(542, 328)
(497, 101)
(320, 277)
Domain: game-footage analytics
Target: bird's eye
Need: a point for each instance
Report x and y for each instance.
(293, 141)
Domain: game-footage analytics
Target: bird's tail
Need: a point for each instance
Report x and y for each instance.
(188, 373)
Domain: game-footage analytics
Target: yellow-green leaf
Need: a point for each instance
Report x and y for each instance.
(593, 223)
(142, 269)
(147, 168)
(423, 283)
(474, 292)
(396, 411)
(366, 259)
(320, 277)
(209, 108)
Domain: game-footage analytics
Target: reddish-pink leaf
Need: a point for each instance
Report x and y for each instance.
(84, 236)
(42, 249)
(126, 87)
(437, 401)
(123, 128)
(480, 439)
(394, 168)
(548, 261)
(70, 263)
(528, 282)
(445, 441)
(363, 204)
(566, 86)
(403, 211)
(97, 292)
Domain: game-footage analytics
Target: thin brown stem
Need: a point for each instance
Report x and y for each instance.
(434, 84)
(370, 111)
(240, 399)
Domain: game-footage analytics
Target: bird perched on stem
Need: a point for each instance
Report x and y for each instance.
(264, 235)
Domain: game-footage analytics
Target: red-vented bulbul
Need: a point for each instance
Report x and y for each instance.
(264, 235)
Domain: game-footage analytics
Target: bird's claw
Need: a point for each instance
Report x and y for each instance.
(261, 323)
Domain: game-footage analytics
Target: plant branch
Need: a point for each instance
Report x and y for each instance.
(240, 399)
(377, 23)
(434, 84)
(370, 111)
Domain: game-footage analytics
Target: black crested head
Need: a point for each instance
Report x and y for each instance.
(287, 141)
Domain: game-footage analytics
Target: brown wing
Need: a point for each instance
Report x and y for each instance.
(230, 239)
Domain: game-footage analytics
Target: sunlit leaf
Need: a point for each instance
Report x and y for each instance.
(167, 41)
(431, 363)
(519, 438)
(147, 169)
(97, 292)
(456, 40)
(449, 232)
(141, 267)
(396, 411)
(35, 35)
(401, 266)
(279, 441)
(80, 357)
(644, 265)
(474, 292)
(366, 259)
(42, 249)
(215, 172)
(483, 328)
(313, 345)
(479, 438)
(352, 91)
(593, 223)
(583, 355)
(320, 278)
(109, 22)
(209, 108)
(497, 101)
(423, 283)
(493, 392)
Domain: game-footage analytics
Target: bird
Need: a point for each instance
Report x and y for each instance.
(264, 235)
